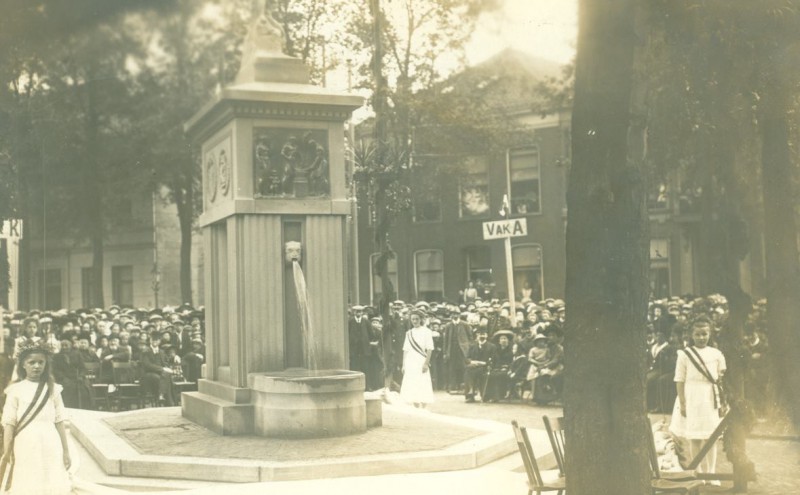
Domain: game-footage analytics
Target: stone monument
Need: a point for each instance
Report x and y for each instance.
(274, 211)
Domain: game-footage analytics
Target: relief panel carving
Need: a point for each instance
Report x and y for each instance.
(290, 163)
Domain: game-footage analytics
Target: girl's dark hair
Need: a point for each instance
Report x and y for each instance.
(702, 321)
(22, 374)
(24, 325)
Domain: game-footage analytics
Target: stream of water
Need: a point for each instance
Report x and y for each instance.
(306, 325)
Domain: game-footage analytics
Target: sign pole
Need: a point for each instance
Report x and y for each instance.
(506, 229)
(510, 279)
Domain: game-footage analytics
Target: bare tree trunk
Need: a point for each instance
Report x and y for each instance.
(783, 270)
(184, 203)
(93, 195)
(607, 265)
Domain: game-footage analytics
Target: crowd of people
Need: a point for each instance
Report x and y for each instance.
(470, 348)
(476, 350)
(59, 358)
(164, 346)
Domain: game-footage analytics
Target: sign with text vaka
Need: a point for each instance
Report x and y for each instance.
(499, 229)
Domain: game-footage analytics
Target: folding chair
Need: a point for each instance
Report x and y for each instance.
(535, 481)
(555, 432)
(706, 448)
(688, 475)
(668, 483)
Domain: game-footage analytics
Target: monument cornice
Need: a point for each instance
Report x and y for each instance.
(275, 101)
(272, 206)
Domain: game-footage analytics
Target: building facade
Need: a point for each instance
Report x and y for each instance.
(439, 244)
(141, 262)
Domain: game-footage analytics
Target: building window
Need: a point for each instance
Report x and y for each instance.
(474, 191)
(479, 265)
(428, 209)
(86, 287)
(50, 288)
(122, 285)
(375, 279)
(527, 262)
(659, 268)
(523, 173)
(429, 275)
(426, 191)
(658, 196)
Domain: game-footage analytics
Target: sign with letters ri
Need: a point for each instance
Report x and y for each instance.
(499, 229)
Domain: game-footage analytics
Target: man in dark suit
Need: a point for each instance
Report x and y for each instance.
(192, 361)
(478, 359)
(661, 390)
(457, 340)
(358, 337)
(69, 371)
(114, 353)
(156, 373)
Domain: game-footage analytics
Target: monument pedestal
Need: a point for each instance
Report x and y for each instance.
(276, 213)
(296, 403)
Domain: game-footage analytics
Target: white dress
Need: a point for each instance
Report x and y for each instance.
(38, 462)
(417, 386)
(702, 416)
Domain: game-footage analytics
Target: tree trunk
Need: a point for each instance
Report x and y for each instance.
(185, 217)
(607, 265)
(93, 192)
(783, 270)
(97, 271)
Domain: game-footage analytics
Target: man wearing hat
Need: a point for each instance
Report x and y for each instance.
(156, 372)
(478, 360)
(358, 338)
(498, 380)
(192, 361)
(457, 339)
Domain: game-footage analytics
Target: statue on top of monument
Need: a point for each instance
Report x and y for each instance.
(263, 57)
(266, 34)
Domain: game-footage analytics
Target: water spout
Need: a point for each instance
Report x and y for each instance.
(303, 307)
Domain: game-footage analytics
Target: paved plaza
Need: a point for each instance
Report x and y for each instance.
(777, 459)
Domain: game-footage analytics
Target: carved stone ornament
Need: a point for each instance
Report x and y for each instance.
(224, 173)
(211, 178)
(291, 163)
(293, 251)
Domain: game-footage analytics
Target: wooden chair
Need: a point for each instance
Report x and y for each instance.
(99, 398)
(672, 483)
(555, 432)
(535, 481)
(706, 448)
(128, 390)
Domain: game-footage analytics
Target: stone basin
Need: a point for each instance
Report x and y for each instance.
(301, 403)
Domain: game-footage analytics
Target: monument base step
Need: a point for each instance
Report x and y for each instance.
(218, 415)
(224, 391)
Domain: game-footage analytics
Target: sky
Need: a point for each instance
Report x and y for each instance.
(544, 28)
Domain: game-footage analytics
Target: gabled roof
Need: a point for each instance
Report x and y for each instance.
(508, 81)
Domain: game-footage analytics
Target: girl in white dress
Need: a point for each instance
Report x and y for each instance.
(35, 453)
(697, 373)
(417, 388)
